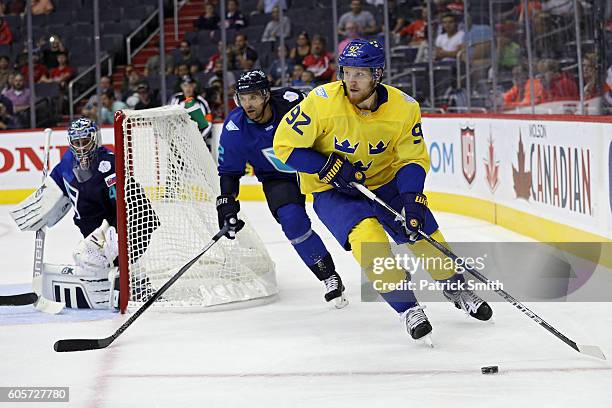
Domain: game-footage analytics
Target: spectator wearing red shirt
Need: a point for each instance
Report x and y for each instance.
(559, 86)
(40, 71)
(63, 72)
(320, 62)
(6, 36)
(417, 30)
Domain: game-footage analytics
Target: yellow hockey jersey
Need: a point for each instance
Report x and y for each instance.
(377, 142)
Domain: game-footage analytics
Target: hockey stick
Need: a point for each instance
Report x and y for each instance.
(40, 303)
(95, 344)
(22, 299)
(592, 351)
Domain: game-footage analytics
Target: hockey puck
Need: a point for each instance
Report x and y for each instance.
(489, 370)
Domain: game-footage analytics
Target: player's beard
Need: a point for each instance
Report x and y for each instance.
(360, 96)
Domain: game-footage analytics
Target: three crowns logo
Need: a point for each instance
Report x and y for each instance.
(379, 148)
(345, 146)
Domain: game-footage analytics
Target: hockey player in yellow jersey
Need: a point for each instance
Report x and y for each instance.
(358, 130)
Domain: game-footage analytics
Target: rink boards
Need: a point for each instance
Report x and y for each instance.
(547, 177)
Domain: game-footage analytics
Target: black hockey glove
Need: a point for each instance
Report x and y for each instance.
(227, 211)
(340, 173)
(415, 208)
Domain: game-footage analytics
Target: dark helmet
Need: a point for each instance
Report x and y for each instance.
(363, 54)
(84, 140)
(251, 81)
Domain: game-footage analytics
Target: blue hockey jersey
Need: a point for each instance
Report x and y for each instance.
(95, 199)
(243, 141)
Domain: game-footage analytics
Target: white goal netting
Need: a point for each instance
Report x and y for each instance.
(170, 186)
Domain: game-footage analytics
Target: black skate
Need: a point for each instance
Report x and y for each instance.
(334, 290)
(470, 303)
(417, 324)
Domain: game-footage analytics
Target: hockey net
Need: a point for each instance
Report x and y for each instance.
(167, 184)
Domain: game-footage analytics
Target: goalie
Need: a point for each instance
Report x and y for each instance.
(85, 180)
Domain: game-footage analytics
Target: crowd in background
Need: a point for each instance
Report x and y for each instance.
(307, 58)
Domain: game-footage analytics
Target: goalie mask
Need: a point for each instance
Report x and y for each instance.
(253, 93)
(84, 141)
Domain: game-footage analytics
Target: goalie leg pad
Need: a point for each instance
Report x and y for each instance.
(77, 288)
(44, 207)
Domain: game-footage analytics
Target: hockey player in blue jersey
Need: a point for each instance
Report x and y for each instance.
(84, 180)
(247, 138)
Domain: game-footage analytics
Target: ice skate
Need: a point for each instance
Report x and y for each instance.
(417, 324)
(334, 291)
(470, 303)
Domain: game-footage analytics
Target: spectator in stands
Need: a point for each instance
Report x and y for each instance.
(106, 83)
(558, 86)
(520, 93)
(209, 20)
(320, 62)
(589, 72)
(145, 97)
(308, 79)
(125, 81)
(508, 51)
(6, 35)
(275, 73)
(109, 107)
(63, 72)
(130, 86)
(218, 75)
(182, 71)
(7, 103)
(449, 42)
(301, 49)
(296, 75)
(352, 31)
(233, 17)
(242, 55)
(19, 95)
(186, 56)
(210, 65)
(7, 121)
(416, 32)
(41, 74)
(363, 18)
(273, 28)
(50, 51)
(266, 6)
(152, 64)
(5, 71)
(41, 7)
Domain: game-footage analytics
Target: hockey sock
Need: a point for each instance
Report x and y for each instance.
(369, 244)
(308, 245)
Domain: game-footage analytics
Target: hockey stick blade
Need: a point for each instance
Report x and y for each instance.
(22, 299)
(592, 351)
(68, 345)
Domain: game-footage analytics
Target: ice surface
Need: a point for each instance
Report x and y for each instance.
(299, 351)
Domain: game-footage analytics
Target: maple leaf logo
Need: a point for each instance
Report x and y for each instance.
(522, 178)
(492, 167)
